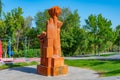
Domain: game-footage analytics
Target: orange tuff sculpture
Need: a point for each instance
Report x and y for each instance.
(52, 64)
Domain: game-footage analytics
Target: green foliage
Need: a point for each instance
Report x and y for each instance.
(40, 20)
(28, 53)
(70, 32)
(14, 23)
(18, 54)
(104, 68)
(95, 36)
(108, 54)
(2, 28)
(100, 30)
(33, 53)
(16, 27)
(1, 4)
(117, 40)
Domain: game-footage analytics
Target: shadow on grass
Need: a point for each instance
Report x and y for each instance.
(110, 73)
(97, 63)
(116, 62)
(115, 72)
(10, 65)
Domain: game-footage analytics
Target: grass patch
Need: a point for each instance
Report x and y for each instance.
(105, 55)
(104, 68)
(21, 64)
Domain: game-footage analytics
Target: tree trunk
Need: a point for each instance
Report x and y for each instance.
(18, 38)
(98, 50)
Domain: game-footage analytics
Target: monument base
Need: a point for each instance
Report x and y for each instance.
(61, 70)
(43, 70)
(57, 67)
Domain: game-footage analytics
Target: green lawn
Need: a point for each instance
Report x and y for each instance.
(104, 68)
(106, 55)
(21, 64)
(114, 53)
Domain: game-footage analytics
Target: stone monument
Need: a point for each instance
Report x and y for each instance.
(51, 63)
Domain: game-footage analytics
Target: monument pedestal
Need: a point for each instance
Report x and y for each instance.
(52, 66)
(44, 70)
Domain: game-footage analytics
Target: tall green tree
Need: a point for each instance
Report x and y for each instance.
(70, 32)
(100, 28)
(1, 4)
(117, 41)
(18, 24)
(14, 23)
(105, 33)
(27, 26)
(2, 27)
(92, 28)
(1, 21)
(31, 33)
(40, 20)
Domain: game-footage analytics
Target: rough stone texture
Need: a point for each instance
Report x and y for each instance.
(52, 64)
(29, 73)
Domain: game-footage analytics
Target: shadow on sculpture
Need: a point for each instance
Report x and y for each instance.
(52, 64)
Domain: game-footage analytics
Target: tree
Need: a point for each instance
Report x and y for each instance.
(65, 13)
(100, 28)
(18, 23)
(1, 4)
(117, 41)
(40, 20)
(105, 34)
(14, 23)
(92, 28)
(70, 32)
(2, 27)
(28, 27)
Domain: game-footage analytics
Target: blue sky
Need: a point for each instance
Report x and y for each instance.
(110, 9)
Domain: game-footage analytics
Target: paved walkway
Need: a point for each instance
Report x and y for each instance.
(108, 78)
(114, 57)
(29, 73)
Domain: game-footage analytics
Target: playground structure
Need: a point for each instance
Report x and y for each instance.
(25, 48)
(0, 49)
(7, 52)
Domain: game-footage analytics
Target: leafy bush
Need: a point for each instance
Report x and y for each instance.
(27, 53)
